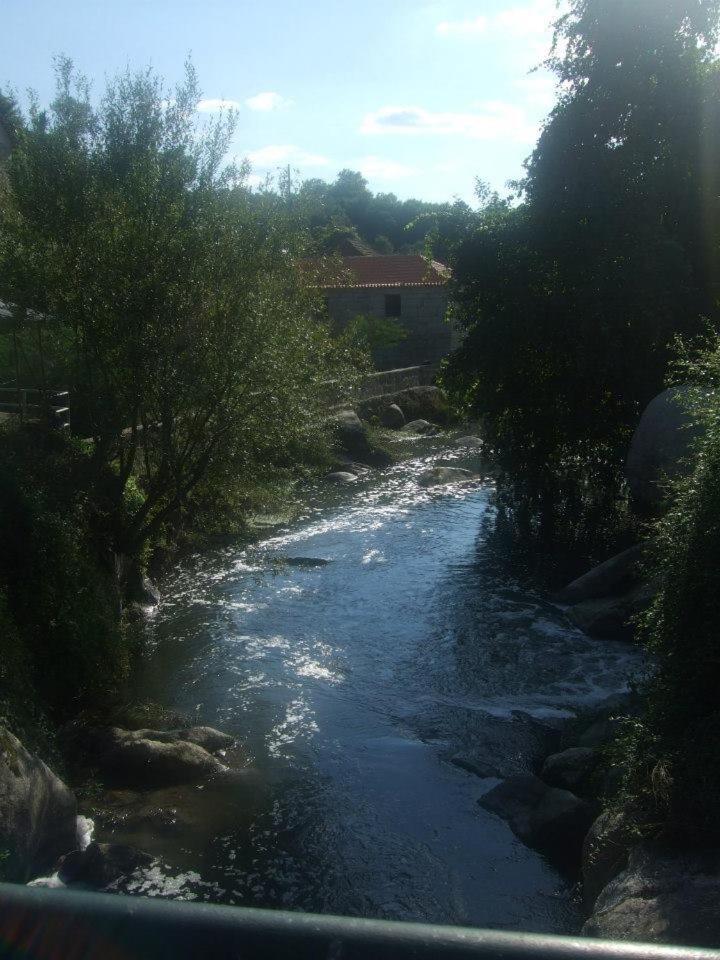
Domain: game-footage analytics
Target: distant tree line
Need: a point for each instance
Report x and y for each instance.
(347, 209)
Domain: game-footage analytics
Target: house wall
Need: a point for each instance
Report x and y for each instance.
(429, 336)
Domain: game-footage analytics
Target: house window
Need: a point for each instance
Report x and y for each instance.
(393, 305)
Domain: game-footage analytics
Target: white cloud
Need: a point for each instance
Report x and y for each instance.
(214, 105)
(539, 89)
(380, 169)
(494, 120)
(267, 101)
(464, 28)
(276, 155)
(530, 19)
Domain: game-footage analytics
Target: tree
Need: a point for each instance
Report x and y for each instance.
(194, 338)
(571, 300)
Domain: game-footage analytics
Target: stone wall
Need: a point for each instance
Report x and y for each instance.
(429, 336)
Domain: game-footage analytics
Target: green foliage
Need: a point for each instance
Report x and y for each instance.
(672, 756)
(346, 209)
(571, 299)
(193, 339)
(373, 333)
(59, 628)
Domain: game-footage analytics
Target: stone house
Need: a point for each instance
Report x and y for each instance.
(408, 289)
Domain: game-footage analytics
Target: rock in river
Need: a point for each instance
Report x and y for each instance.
(392, 417)
(420, 426)
(143, 758)
(341, 476)
(101, 864)
(550, 820)
(438, 476)
(38, 814)
(663, 896)
(572, 769)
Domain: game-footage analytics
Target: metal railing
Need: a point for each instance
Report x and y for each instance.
(31, 404)
(45, 924)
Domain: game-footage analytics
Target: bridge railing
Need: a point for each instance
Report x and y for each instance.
(45, 924)
(31, 404)
(392, 381)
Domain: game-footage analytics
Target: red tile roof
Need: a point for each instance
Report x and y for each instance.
(392, 270)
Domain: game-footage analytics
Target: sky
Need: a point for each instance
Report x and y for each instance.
(421, 97)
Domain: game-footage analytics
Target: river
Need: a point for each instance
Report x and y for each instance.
(366, 692)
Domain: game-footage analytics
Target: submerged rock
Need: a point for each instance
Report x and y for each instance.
(662, 896)
(303, 561)
(550, 820)
(439, 476)
(101, 864)
(341, 476)
(38, 813)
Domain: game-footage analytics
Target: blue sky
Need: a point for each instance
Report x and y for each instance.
(422, 97)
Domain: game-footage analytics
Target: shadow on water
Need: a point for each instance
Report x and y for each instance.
(375, 697)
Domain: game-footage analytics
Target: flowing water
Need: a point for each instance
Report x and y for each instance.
(367, 693)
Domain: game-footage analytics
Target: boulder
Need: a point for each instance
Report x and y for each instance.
(605, 852)
(392, 417)
(550, 820)
(438, 476)
(38, 813)
(341, 476)
(420, 427)
(663, 896)
(208, 738)
(573, 769)
(660, 449)
(614, 576)
(144, 758)
(352, 440)
(101, 864)
(612, 618)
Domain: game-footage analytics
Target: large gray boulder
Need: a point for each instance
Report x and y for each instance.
(550, 820)
(392, 417)
(351, 439)
(38, 813)
(660, 449)
(573, 769)
(145, 758)
(663, 896)
(605, 852)
(421, 427)
(614, 576)
(612, 618)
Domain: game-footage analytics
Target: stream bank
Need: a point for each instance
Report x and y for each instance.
(370, 660)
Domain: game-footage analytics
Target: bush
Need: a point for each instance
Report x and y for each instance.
(673, 753)
(59, 611)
